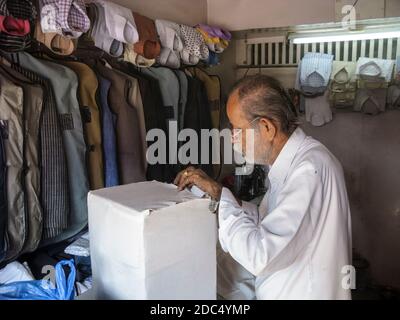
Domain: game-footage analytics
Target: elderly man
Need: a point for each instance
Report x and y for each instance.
(297, 243)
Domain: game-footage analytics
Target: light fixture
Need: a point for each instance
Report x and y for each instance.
(345, 35)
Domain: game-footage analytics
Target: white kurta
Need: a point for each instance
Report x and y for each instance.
(298, 241)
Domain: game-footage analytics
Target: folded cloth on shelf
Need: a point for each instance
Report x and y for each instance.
(57, 43)
(370, 101)
(100, 35)
(14, 26)
(375, 69)
(148, 45)
(171, 43)
(120, 22)
(194, 47)
(169, 34)
(130, 55)
(216, 38)
(22, 10)
(67, 17)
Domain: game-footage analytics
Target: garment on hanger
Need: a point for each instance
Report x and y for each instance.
(87, 89)
(55, 193)
(370, 101)
(343, 84)
(66, 17)
(374, 69)
(64, 83)
(183, 93)
(197, 116)
(213, 88)
(32, 111)
(99, 32)
(393, 97)
(155, 118)
(11, 116)
(315, 72)
(318, 111)
(3, 191)
(169, 86)
(148, 45)
(109, 120)
(131, 147)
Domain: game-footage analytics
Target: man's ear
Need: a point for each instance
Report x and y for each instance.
(269, 128)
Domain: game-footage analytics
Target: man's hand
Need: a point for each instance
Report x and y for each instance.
(191, 176)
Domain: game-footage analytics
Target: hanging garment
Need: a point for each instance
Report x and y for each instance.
(148, 45)
(183, 93)
(3, 192)
(393, 97)
(315, 72)
(213, 88)
(370, 101)
(171, 43)
(318, 111)
(109, 120)
(120, 22)
(99, 32)
(87, 89)
(131, 147)
(397, 74)
(64, 83)
(299, 239)
(57, 43)
(194, 47)
(374, 69)
(169, 86)
(154, 118)
(12, 119)
(66, 17)
(198, 116)
(32, 105)
(20, 10)
(343, 84)
(131, 56)
(55, 199)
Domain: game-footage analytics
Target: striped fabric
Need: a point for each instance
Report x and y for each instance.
(315, 70)
(54, 178)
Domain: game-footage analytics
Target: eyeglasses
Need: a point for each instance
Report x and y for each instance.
(237, 132)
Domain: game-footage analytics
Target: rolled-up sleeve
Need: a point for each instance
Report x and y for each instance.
(254, 244)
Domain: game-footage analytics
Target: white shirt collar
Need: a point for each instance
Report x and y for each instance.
(280, 168)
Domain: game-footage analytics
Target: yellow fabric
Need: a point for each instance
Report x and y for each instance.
(88, 85)
(213, 88)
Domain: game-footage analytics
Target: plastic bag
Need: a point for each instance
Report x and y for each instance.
(43, 289)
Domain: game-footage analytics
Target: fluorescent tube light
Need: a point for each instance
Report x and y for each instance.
(349, 36)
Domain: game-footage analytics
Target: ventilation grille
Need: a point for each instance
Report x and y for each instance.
(282, 53)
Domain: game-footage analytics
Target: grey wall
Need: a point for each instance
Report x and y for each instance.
(369, 150)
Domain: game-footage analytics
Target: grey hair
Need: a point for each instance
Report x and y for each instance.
(263, 96)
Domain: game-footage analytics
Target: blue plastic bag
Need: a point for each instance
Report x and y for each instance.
(43, 289)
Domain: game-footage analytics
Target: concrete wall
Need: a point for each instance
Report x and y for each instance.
(189, 12)
(249, 14)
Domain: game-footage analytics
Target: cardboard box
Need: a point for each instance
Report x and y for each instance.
(149, 241)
